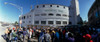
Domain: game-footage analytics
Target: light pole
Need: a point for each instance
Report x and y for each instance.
(19, 8)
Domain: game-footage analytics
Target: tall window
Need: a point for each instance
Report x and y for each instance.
(43, 22)
(50, 5)
(24, 17)
(50, 22)
(69, 8)
(58, 14)
(50, 14)
(29, 21)
(43, 14)
(58, 22)
(64, 22)
(37, 6)
(27, 16)
(36, 22)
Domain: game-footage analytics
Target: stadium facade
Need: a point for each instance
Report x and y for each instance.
(52, 15)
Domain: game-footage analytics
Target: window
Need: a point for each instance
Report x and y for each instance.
(43, 14)
(50, 22)
(64, 15)
(23, 21)
(58, 22)
(70, 22)
(27, 16)
(43, 5)
(30, 15)
(57, 6)
(64, 7)
(29, 21)
(50, 5)
(58, 14)
(37, 6)
(36, 22)
(69, 8)
(43, 22)
(36, 14)
(50, 14)
(24, 17)
(64, 22)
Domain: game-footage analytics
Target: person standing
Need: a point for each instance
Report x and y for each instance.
(14, 35)
(9, 34)
(71, 38)
(41, 38)
(60, 35)
(6, 35)
(29, 34)
(87, 38)
(47, 36)
(24, 33)
(57, 36)
(98, 38)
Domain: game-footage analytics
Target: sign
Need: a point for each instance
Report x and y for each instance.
(50, 10)
(53, 10)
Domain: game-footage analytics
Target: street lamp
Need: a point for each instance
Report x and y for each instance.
(19, 8)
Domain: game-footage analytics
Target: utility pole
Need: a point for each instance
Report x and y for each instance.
(19, 8)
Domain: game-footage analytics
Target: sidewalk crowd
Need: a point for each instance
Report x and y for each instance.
(50, 34)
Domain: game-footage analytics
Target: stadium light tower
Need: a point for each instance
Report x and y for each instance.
(19, 8)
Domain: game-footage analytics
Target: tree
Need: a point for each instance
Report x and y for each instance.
(80, 23)
(85, 22)
(16, 23)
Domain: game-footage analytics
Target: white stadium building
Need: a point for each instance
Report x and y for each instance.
(52, 15)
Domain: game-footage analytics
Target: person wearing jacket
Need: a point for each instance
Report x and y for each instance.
(47, 36)
(57, 36)
(41, 38)
(71, 38)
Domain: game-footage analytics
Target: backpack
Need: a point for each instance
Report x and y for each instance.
(57, 35)
(14, 34)
(15, 38)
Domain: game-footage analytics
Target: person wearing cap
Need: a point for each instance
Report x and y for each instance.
(87, 38)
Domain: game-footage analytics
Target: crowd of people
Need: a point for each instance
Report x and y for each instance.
(50, 34)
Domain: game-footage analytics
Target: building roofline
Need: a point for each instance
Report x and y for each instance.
(52, 4)
(44, 4)
(91, 8)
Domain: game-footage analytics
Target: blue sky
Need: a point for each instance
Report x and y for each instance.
(9, 13)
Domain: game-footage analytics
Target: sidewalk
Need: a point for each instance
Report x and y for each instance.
(2, 33)
(32, 40)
